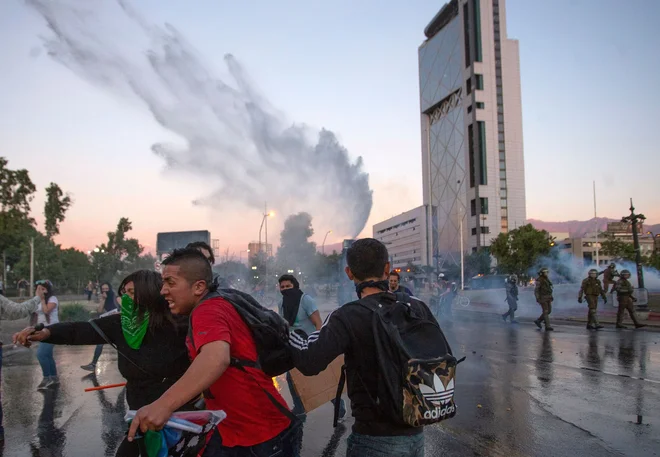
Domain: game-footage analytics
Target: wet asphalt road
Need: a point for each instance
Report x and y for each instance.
(520, 392)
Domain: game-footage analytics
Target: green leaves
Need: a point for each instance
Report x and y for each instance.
(518, 250)
(56, 206)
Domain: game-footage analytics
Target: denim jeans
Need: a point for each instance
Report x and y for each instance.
(46, 359)
(385, 446)
(97, 353)
(285, 444)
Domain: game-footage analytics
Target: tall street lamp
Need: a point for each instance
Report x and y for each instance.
(324, 238)
(635, 219)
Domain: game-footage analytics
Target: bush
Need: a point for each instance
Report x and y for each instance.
(74, 312)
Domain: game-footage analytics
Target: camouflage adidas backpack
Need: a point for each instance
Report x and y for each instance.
(416, 367)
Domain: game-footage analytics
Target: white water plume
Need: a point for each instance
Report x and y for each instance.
(234, 139)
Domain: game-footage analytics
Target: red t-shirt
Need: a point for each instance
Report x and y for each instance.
(251, 417)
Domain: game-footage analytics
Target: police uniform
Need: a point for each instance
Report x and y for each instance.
(543, 293)
(512, 300)
(608, 278)
(592, 288)
(624, 291)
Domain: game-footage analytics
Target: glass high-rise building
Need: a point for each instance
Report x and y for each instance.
(471, 119)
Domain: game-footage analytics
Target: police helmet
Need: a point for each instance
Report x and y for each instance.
(625, 273)
(612, 265)
(513, 278)
(593, 271)
(441, 275)
(543, 271)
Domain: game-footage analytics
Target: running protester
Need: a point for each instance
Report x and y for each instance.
(254, 426)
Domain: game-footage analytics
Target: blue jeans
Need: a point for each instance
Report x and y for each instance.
(385, 446)
(46, 359)
(285, 444)
(97, 353)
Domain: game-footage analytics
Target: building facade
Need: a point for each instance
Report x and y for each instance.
(471, 122)
(405, 237)
(254, 248)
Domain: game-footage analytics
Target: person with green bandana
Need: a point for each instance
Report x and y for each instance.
(149, 339)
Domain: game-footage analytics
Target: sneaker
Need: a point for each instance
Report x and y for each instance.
(45, 384)
(504, 317)
(514, 322)
(590, 327)
(54, 380)
(538, 324)
(549, 329)
(620, 326)
(598, 327)
(89, 367)
(640, 325)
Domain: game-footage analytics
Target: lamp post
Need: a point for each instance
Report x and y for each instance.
(656, 240)
(635, 219)
(324, 238)
(264, 221)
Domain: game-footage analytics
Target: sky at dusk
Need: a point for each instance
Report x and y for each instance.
(350, 67)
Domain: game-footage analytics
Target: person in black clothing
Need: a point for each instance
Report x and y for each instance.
(109, 304)
(395, 284)
(151, 342)
(348, 330)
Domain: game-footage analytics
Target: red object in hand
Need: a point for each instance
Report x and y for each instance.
(109, 386)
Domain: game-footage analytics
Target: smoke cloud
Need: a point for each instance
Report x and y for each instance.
(233, 138)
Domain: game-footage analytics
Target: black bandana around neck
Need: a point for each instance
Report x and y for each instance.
(382, 285)
(290, 304)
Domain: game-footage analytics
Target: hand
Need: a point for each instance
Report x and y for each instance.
(579, 299)
(26, 336)
(150, 417)
(40, 292)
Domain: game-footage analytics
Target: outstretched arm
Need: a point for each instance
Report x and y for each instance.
(12, 311)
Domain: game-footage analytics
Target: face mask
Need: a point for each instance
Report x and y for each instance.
(287, 292)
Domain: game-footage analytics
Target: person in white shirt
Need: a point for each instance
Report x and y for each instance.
(47, 314)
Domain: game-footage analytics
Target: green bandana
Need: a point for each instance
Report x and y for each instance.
(134, 329)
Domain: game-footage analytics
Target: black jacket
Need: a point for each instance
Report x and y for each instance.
(163, 354)
(348, 331)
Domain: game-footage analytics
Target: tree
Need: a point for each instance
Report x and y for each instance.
(56, 206)
(296, 252)
(520, 249)
(113, 257)
(478, 263)
(617, 249)
(16, 193)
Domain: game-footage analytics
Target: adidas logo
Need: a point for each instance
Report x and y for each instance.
(438, 394)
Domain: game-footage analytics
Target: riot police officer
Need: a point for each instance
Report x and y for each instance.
(608, 277)
(624, 294)
(511, 299)
(543, 293)
(592, 288)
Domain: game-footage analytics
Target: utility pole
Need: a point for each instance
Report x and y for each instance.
(597, 228)
(635, 219)
(460, 228)
(31, 267)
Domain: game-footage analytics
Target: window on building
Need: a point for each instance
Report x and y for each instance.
(502, 166)
(485, 230)
(466, 36)
(483, 179)
(473, 173)
(502, 183)
(503, 203)
(503, 174)
(502, 192)
(474, 231)
(477, 29)
(474, 249)
(473, 207)
(480, 81)
(502, 155)
(483, 203)
(469, 108)
(468, 85)
(480, 105)
(504, 212)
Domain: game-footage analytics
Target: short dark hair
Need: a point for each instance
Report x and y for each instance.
(193, 264)
(394, 273)
(294, 281)
(202, 245)
(367, 258)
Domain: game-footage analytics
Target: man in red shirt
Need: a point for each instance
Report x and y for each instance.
(254, 425)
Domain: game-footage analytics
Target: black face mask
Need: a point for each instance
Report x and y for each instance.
(289, 292)
(382, 285)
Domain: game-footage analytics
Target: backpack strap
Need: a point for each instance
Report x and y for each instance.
(239, 364)
(107, 340)
(340, 390)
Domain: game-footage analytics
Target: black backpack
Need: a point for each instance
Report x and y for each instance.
(415, 363)
(269, 330)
